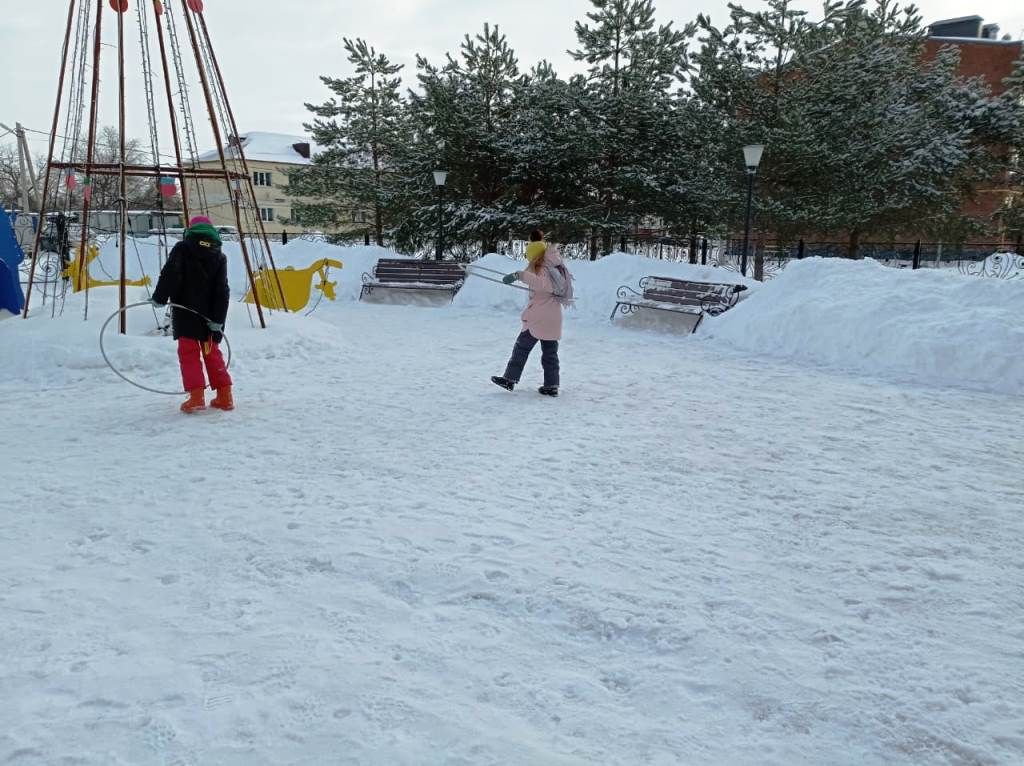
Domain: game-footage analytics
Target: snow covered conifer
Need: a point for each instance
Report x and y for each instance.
(634, 64)
(360, 128)
(461, 117)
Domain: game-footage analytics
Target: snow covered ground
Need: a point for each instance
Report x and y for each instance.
(696, 555)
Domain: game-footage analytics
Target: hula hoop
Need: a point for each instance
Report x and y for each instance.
(471, 271)
(124, 377)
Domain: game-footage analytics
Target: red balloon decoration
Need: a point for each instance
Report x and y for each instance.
(158, 7)
(196, 5)
(119, 5)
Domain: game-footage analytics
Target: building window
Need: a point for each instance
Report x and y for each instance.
(267, 214)
(262, 178)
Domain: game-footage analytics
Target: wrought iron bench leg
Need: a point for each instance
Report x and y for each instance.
(614, 312)
(700, 319)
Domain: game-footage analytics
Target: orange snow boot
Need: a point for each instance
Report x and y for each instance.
(196, 400)
(223, 400)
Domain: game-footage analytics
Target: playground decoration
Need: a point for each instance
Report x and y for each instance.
(75, 272)
(11, 256)
(296, 285)
(120, 312)
(178, 65)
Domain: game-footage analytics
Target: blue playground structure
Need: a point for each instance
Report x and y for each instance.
(11, 256)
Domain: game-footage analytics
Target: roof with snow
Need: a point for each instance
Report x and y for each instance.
(269, 147)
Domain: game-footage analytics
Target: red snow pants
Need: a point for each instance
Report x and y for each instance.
(192, 354)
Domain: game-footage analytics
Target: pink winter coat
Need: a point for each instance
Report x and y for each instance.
(543, 314)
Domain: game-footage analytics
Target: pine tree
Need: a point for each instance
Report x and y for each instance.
(625, 98)
(1011, 214)
(462, 117)
(361, 130)
(888, 143)
(862, 136)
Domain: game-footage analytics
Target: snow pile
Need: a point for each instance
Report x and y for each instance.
(596, 282)
(65, 352)
(143, 258)
(930, 325)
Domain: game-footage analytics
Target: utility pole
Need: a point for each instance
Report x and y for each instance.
(28, 172)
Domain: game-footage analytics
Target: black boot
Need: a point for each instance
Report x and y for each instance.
(505, 383)
(548, 390)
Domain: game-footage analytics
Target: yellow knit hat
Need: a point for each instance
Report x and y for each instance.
(534, 251)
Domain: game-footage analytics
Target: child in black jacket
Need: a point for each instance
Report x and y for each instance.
(196, 277)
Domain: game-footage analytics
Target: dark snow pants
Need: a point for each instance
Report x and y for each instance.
(521, 352)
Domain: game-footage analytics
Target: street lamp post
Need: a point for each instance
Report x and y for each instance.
(752, 158)
(440, 178)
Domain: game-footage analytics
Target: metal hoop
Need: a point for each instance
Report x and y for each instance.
(471, 270)
(124, 377)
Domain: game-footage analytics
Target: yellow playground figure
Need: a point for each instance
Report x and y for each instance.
(75, 268)
(296, 284)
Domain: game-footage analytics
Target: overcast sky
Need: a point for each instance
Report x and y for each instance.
(272, 51)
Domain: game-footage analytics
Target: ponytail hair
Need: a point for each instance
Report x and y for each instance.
(536, 235)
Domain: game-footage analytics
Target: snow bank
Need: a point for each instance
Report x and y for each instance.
(931, 325)
(596, 282)
(65, 352)
(143, 258)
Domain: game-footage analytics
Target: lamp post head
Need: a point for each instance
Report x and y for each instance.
(752, 156)
(440, 177)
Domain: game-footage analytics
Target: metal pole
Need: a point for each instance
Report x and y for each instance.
(440, 223)
(49, 159)
(123, 233)
(917, 255)
(158, 13)
(223, 160)
(746, 231)
(90, 149)
(241, 155)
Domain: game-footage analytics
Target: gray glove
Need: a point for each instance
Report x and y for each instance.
(215, 327)
(510, 278)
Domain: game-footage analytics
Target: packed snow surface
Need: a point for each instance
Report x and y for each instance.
(696, 555)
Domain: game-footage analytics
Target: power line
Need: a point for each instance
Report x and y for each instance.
(162, 155)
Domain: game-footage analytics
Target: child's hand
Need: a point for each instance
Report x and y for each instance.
(510, 278)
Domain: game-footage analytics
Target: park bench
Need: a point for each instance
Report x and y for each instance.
(678, 296)
(409, 274)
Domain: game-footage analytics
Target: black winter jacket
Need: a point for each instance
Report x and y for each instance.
(195, 275)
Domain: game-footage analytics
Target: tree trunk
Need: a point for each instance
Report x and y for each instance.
(378, 223)
(593, 248)
(854, 246)
(606, 243)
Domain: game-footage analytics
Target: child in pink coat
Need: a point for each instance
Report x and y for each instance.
(550, 288)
